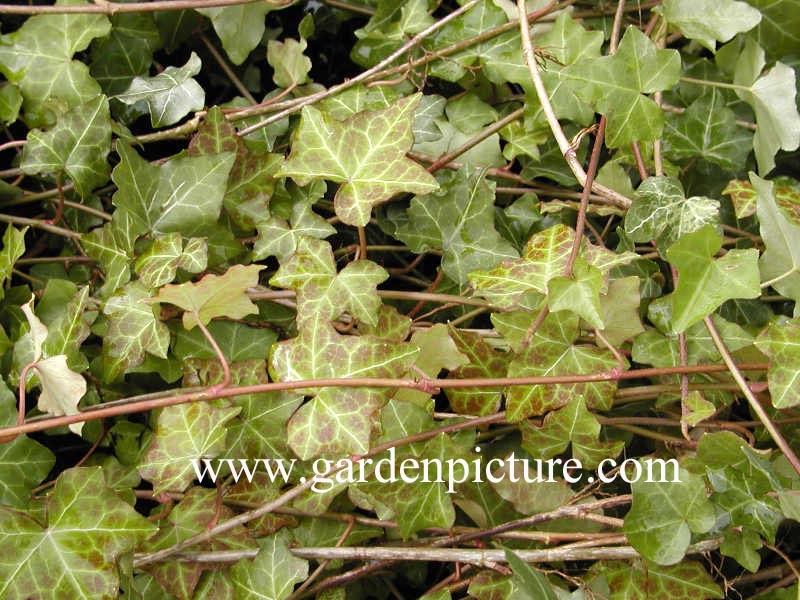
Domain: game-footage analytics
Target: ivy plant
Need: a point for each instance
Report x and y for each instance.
(540, 259)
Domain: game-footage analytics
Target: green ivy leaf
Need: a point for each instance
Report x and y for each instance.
(615, 84)
(133, 330)
(687, 580)
(710, 21)
(240, 27)
(170, 95)
(320, 352)
(619, 311)
(324, 294)
(662, 213)
(10, 103)
(777, 32)
(185, 194)
(24, 462)
(779, 341)
(78, 145)
(112, 247)
(579, 294)
(88, 527)
(279, 238)
(664, 515)
(705, 283)
(531, 585)
(458, 219)
(708, 130)
(290, 66)
(743, 197)
(160, 262)
(197, 512)
(780, 229)
(552, 352)
(184, 433)
(68, 330)
(772, 97)
(126, 52)
(570, 424)
(484, 361)
(365, 152)
(544, 258)
(273, 573)
(213, 296)
(13, 248)
(38, 57)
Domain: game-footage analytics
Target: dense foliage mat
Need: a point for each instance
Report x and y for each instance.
(293, 291)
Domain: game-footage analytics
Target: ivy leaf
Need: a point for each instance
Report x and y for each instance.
(240, 28)
(661, 212)
(544, 258)
(551, 352)
(324, 294)
(24, 462)
(184, 433)
(126, 52)
(743, 197)
(615, 84)
(705, 283)
(196, 512)
(571, 424)
(13, 248)
(580, 294)
(88, 527)
(185, 194)
(708, 130)
(687, 580)
(38, 57)
(67, 332)
(213, 296)
(78, 145)
(319, 352)
(777, 31)
(710, 21)
(619, 310)
(10, 103)
(272, 574)
(779, 341)
(531, 584)
(290, 66)
(112, 247)
(458, 219)
(160, 262)
(278, 238)
(663, 516)
(780, 229)
(170, 95)
(62, 388)
(484, 361)
(365, 152)
(133, 330)
(772, 97)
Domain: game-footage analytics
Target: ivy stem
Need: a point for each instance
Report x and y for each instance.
(547, 108)
(755, 405)
(226, 68)
(719, 84)
(779, 278)
(364, 75)
(226, 372)
(293, 493)
(74, 235)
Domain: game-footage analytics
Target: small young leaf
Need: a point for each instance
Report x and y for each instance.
(13, 248)
(240, 27)
(213, 296)
(288, 62)
(272, 574)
